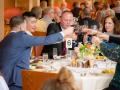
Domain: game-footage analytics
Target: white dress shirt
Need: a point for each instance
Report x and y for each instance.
(3, 84)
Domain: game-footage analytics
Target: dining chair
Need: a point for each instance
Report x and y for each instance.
(37, 50)
(34, 80)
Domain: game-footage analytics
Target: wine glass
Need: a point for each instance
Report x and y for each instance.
(92, 62)
(94, 29)
(86, 23)
(69, 54)
(84, 61)
(45, 57)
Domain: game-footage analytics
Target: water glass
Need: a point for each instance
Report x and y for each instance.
(91, 62)
(45, 57)
(69, 54)
(94, 29)
(86, 23)
(54, 53)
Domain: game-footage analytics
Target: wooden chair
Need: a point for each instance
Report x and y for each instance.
(10, 12)
(38, 49)
(33, 80)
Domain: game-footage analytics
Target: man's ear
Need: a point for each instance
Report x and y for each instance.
(18, 26)
(27, 19)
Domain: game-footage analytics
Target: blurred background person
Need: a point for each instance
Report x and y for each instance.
(111, 25)
(57, 14)
(76, 9)
(43, 4)
(88, 4)
(88, 22)
(40, 24)
(86, 19)
(106, 11)
(95, 9)
(64, 81)
(48, 16)
(117, 9)
(98, 12)
(37, 11)
(63, 6)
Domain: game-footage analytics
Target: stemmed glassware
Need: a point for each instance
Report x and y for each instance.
(94, 29)
(86, 23)
(45, 58)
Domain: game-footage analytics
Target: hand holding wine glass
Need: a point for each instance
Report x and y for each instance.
(96, 40)
(69, 31)
(74, 36)
(103, 36)
(94, 30)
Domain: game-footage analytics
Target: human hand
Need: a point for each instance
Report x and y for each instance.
(96, 40)
(76, 49)
(103, 36)
(89, 31)
(85, 30)
(68, 31)
(74, 36)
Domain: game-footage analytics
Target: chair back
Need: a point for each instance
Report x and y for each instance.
(10, 12)
(37, 50)
(34, 80)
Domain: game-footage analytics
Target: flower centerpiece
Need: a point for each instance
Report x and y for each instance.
(88, 51)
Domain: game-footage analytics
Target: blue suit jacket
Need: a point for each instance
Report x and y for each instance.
(15, 53)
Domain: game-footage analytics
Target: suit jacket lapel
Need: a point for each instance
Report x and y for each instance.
(60, 29)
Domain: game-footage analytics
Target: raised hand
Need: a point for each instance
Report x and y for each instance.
(69, 31)
(103, 36)
(96, 40)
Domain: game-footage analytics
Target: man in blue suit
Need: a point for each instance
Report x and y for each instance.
(15, 48)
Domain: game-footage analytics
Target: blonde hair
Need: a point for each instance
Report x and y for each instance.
(64, 81)
(48, 10)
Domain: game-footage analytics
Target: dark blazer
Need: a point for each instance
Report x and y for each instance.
(15, 54)
(114, 39)
(76, 11)
(53, 28)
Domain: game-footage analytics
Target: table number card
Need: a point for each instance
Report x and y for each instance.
(69, 43)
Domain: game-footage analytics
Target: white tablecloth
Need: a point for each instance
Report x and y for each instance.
(87, 82)
(94, 82)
